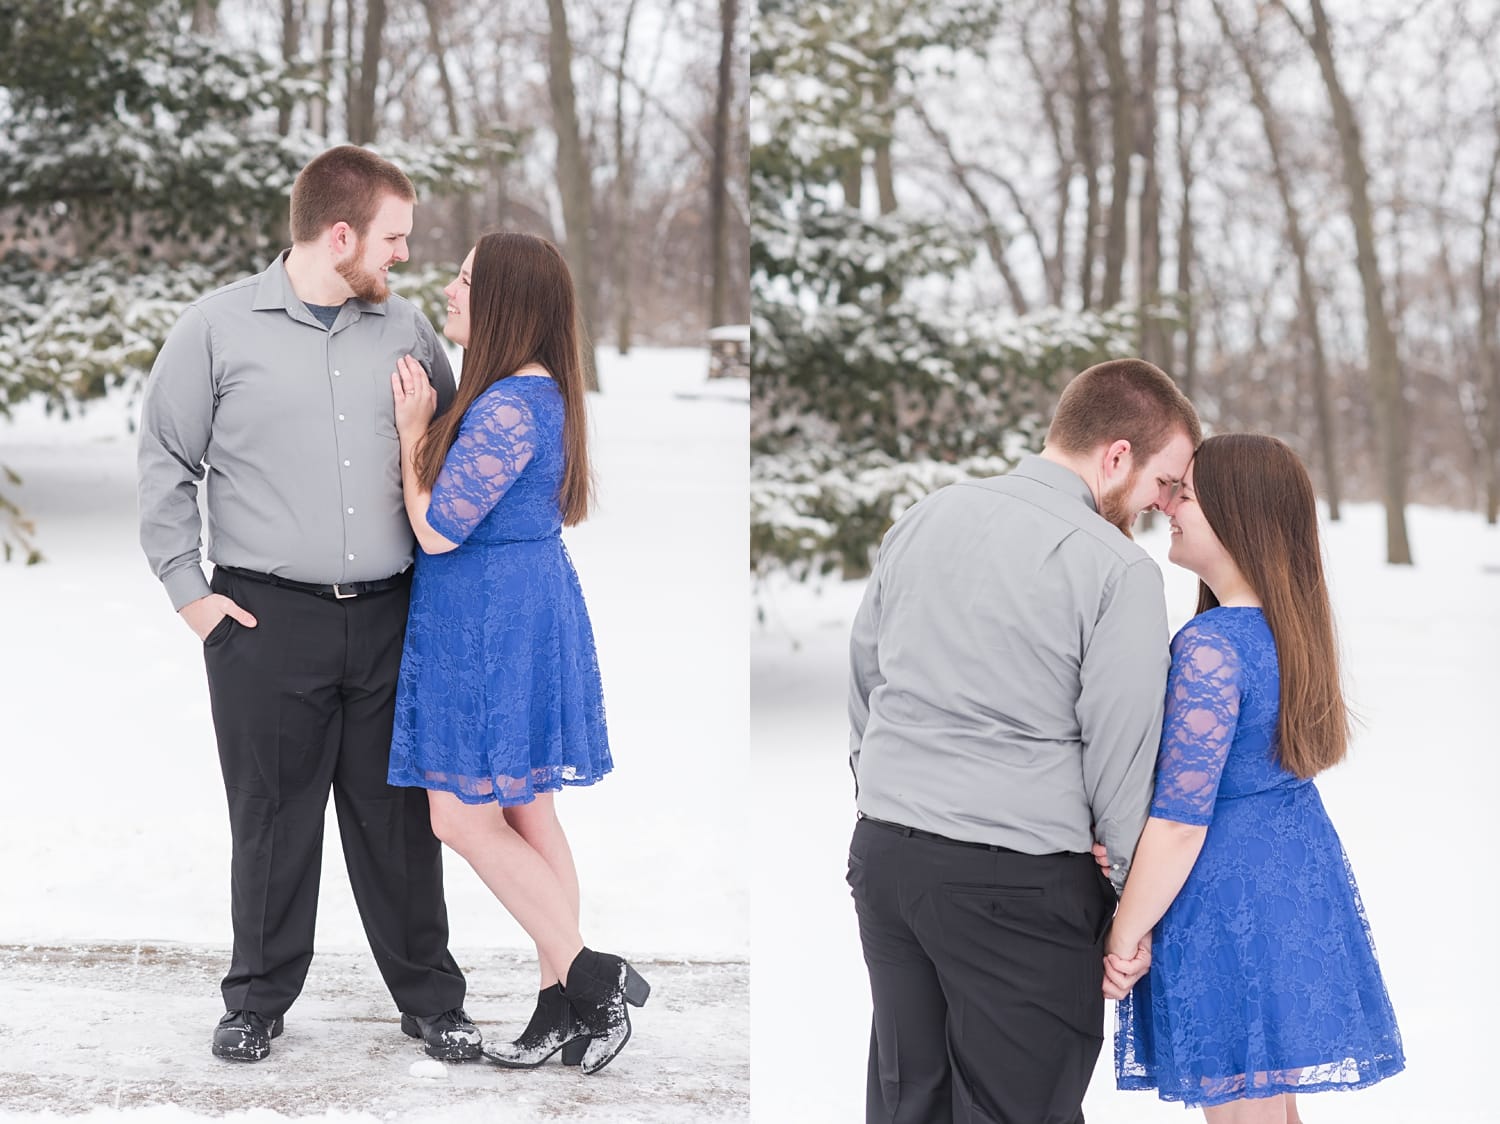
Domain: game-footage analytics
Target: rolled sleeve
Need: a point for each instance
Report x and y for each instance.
(435, 360)
(176, 422)
(1123, 682)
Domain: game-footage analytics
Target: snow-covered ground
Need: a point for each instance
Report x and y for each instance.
(114, 914)
(1414, 804)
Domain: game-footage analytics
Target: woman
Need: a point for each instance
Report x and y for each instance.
(499, 703)
(1263, 981)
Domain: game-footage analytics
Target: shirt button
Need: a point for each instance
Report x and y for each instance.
(336, 374)
(351, 558)
(341, 417)
(346, 464)
(351, 511)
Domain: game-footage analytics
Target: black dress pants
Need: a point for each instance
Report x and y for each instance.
(303, 703)
(986, 969)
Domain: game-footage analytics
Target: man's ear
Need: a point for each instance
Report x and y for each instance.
(340, 237)
(1117, 457)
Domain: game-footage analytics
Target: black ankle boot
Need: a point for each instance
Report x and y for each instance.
(599, 987)
(552, 1028)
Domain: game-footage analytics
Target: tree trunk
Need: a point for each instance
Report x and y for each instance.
(317, 109)
(1307, 294)
(1489, 355)
(351, 94)
(291, 40)
(1385, 370)
(572, 180)
(1148, 291)
(624, 225)
(205, 18)
(1083, 124)
(719, 178)
(463, 203)
(362, 125)
(885, 178)
(1122, 140)
(1187, 372)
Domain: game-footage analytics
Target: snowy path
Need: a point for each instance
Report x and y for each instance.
(127, 1026)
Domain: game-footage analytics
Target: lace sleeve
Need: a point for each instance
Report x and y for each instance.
(1202, 711)
(495, 443)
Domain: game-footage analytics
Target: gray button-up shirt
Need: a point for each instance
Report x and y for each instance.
(295, 426)
(1009, 665)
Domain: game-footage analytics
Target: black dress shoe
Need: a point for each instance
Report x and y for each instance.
(449, 1037)
(243, 1036)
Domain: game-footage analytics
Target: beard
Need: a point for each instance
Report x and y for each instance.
(1114, 505)
(368, 284)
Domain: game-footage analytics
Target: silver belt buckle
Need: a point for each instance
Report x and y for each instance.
(340, 595)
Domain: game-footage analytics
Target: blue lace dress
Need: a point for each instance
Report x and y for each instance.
(1263, 977)
(499, 696)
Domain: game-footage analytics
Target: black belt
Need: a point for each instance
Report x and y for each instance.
(339, 591)
(932, 836)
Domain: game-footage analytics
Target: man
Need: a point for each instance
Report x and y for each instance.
(281, 384)
(1009, 662)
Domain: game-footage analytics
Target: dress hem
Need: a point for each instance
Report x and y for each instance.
(493, 798)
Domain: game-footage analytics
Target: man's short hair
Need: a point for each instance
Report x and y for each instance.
(1122, 399)
(344, 184)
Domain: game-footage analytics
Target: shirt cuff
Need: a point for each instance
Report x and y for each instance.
(186, 585)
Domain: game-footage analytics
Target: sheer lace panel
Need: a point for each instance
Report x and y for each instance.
(1202, 711)
(495, 443)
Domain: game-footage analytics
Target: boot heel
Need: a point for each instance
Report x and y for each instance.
(636, 987)
(572, 1053)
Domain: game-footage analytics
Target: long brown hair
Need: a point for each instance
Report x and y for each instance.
(522, 311)
(1258, 499)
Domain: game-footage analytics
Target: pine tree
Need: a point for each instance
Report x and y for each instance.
(873, 382)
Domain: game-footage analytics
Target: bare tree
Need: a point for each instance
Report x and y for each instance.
(719, 177)
(1088, 157)
(1122, 141)
(317, 110)
(1054, 265)
(1307, 294)
(1385, 370)
(291, 44)
(572, 178)
(989, 230)
(463, 204)
(1186, 373)
(366, 81)
(1148, 290)
(623, 203)
(1489, 353)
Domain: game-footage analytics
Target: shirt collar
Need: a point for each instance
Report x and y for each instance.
(1054, 475)
(275, 292)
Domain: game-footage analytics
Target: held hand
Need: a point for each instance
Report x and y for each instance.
(416, 398)
(1123, 968)
(1101, 856)
(204, 614)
